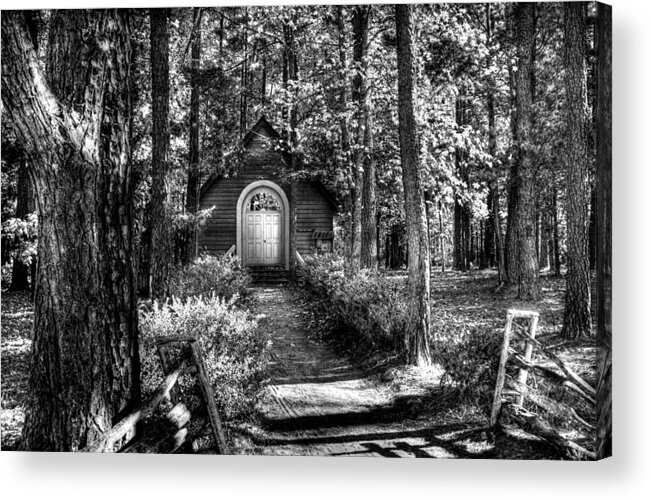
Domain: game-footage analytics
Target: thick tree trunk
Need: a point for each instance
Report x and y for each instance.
(161, 251)
(76, 130)
(604, 229)
(192, 193)
(576, 321)
(418, 282)
(521, 237)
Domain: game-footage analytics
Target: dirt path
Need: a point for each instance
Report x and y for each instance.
(316, 403)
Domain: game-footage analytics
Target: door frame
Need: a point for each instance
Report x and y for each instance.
(240, 213)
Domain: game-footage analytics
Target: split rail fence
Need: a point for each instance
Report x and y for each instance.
(123, 437)
(518, 396)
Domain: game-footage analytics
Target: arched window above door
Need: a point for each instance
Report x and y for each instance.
(264, 201)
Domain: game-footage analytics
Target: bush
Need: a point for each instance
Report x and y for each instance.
(208, 274)
(470, 359)
(233, 351)
(368, 305)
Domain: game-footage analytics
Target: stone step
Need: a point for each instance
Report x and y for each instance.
(269, 275)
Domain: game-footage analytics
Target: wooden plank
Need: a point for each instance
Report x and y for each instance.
(166, 364)
(556, 408)
(501, 371)
(560, 379)
(528, 350)
(106, 443)
(530, 423)
(566, 369)
(206, 389)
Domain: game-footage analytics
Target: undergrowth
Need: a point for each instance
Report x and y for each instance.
(233, 351)
(366, 310)
(224, 276)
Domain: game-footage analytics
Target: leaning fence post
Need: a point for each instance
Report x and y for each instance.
(501, 371)
(528, 350)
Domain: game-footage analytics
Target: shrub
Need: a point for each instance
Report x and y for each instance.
(209, 274)
(470, 358)
(233, 350)
(368, 305)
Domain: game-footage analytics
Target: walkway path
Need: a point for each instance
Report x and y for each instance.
(318, 404)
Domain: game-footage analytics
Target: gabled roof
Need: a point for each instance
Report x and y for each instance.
(261, 128)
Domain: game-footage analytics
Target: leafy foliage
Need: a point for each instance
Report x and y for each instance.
(470, 361)
(233, 350)
(22, 236)
(223, 276)
(367, 305)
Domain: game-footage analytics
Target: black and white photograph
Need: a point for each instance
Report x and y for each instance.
(359, 230)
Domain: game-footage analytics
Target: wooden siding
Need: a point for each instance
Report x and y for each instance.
(313, 213)
(260, 162)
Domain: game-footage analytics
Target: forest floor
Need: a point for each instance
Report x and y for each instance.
(321, 400)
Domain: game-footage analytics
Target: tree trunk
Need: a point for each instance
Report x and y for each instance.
(556, 233)
(361, 14)
(441, 237)
(495, 230)
(576, 321)
(369, 207)
(343, 122)
(521, 237)
(76, 130)
(161, 251)
(290, 134)
(543, 261)
(418, 281)
(604, 229)
(20, 271)
(192, 194)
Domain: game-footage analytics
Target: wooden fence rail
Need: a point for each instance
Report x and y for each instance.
(190, 361)
(553, 370)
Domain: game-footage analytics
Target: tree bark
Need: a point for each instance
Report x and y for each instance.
(556, 243)
(361, 14)
(576, 321)
(290, 135)
(192, 194)
(494, 195)
(161, 251)
(521, 239)
(418, 284)
(75, 127)
(369, 207)
(604, 229)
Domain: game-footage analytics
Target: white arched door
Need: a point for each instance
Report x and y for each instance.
(262, 224)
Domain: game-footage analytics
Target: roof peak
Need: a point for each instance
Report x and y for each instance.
(262, 123)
